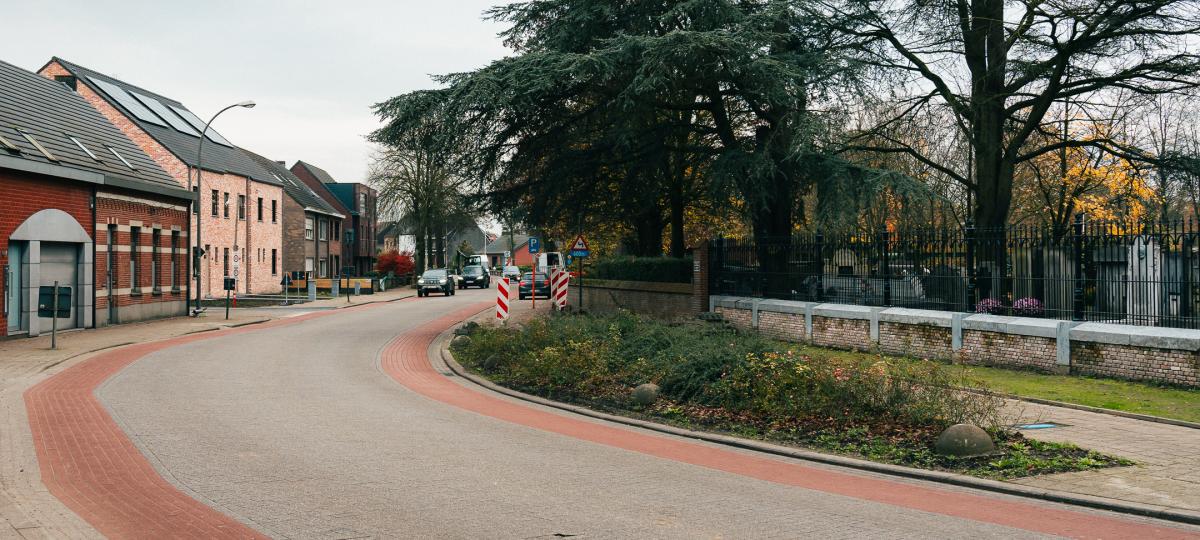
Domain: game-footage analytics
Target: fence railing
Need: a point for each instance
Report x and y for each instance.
(1145, 274)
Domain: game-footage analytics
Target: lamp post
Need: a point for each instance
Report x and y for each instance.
(199, 176)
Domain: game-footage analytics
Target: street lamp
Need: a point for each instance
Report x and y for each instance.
(199, 174)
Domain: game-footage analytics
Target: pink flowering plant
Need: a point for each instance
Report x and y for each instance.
(1028, 307)
(990, 306)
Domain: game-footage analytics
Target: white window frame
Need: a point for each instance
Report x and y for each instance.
(308, 228)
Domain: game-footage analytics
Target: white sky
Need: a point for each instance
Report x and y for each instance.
(314, 68)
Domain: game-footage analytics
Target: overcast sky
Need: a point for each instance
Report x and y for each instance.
(314, 68)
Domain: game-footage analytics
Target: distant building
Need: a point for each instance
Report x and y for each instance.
(81, 205)
(518, 250)
(312, 228)
(358, 202)
(239, 201)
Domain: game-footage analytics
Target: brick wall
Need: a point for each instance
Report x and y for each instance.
(24, 195)
(1138, 363)
(842, 333)
(916, 340)
(295, 247)
(739, 318)
(161, 288)
(1009, 350)
(665, 300)
(782, 326)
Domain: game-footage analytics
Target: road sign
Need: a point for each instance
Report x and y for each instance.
(535, 245)
(580, 248)
(558, 289)
(502, 299)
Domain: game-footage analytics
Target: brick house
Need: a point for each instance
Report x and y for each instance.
(359, 203)
(83, 206)
(312, 228)
(239, 203)
(520, 255)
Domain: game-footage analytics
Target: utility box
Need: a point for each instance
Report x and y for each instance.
(230, 284)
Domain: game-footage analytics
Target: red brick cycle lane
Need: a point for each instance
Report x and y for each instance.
(89, 463)
(406, 359)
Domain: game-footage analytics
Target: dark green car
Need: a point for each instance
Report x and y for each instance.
(475, 276)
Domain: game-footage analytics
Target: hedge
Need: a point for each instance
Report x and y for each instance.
(658, 269)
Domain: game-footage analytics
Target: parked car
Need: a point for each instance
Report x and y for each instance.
(436, 280)
(527, 287)
(475, 276)
(512, 272)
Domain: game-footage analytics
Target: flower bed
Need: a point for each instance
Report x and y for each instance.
(713, 377)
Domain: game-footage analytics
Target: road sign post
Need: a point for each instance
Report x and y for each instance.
(579, 250)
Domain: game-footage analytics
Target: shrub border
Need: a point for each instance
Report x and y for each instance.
(442, 342)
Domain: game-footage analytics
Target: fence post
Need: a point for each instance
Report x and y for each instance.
(718, 266)
(1186, 295)
(1077, 248)
(820, 266)
(885, 268)
(971, 285)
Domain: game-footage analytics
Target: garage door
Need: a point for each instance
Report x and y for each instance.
(59, 262)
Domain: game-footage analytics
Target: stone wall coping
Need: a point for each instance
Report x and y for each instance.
(725, 301)
(783, 306)
(845, 311)
(1021, 326)
(1137, 336)
(917, 316)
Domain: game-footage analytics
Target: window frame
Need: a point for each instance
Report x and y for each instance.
(135, 263)
(274, 262)
(308, 228)
(175, 237)
(260, 209)
(226, 205)
(155, 260)
(216, 203)
(241, 207)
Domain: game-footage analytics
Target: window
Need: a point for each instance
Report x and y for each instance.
(226, 205)
(135, 272)
(216, 199)
(111, 263)
(274, 268)
(273, 205)
(241, 207)
(308, 264)
(308, 228)
(120, 157)
(324, 230)
(85, 149)
(225, 255)
(175, 261)
(324, 271)
(29, 137)
(337, 230)
(155, 259)
(260, 208)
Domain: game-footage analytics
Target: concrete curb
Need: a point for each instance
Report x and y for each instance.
(1112, 505)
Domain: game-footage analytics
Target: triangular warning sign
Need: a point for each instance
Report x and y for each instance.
(580, 244)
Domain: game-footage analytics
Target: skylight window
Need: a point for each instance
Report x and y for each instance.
(29, 137)
(8, 145)
(197, 123)
(120, 157)
(132, 105)
(85, 149)
(166, 114)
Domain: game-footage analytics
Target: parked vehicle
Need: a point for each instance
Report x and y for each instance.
(512, 272)
(527, 287)
(435, 280)
(550, 261)
(481, 261)
(475, 276)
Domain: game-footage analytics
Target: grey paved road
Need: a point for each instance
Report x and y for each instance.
(297, 432)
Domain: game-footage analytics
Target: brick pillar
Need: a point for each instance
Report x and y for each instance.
(700, 278)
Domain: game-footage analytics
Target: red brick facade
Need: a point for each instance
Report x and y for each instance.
(161, 268)
(22, 195)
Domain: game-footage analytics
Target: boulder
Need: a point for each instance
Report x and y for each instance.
(460, 341)
(645, 394)
(964, 440)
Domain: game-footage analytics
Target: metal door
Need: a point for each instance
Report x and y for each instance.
(60, 263)
(13, 282)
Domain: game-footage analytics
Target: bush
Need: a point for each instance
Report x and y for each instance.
(1028, 307)
(707, 365)
(657, 269)
(990, 306)
(395, 262)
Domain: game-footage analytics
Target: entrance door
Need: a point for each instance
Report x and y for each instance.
(60, 263)
(12, 286)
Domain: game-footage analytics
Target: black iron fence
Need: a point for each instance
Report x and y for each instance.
(1147, 274)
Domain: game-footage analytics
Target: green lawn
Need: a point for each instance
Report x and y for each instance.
(1127, 396)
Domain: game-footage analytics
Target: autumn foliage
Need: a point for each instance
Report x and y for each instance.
(399, 263)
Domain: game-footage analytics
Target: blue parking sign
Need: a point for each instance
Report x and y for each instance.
(535, 245)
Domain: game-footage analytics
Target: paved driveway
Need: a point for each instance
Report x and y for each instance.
(298, 431)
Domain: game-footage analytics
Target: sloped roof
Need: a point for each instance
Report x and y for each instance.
(50, 112)
(318, 173)
(217, 157)
(501, 244)
(294, 187)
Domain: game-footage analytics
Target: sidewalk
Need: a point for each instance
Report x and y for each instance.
(27, 510)
(1167, 473)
